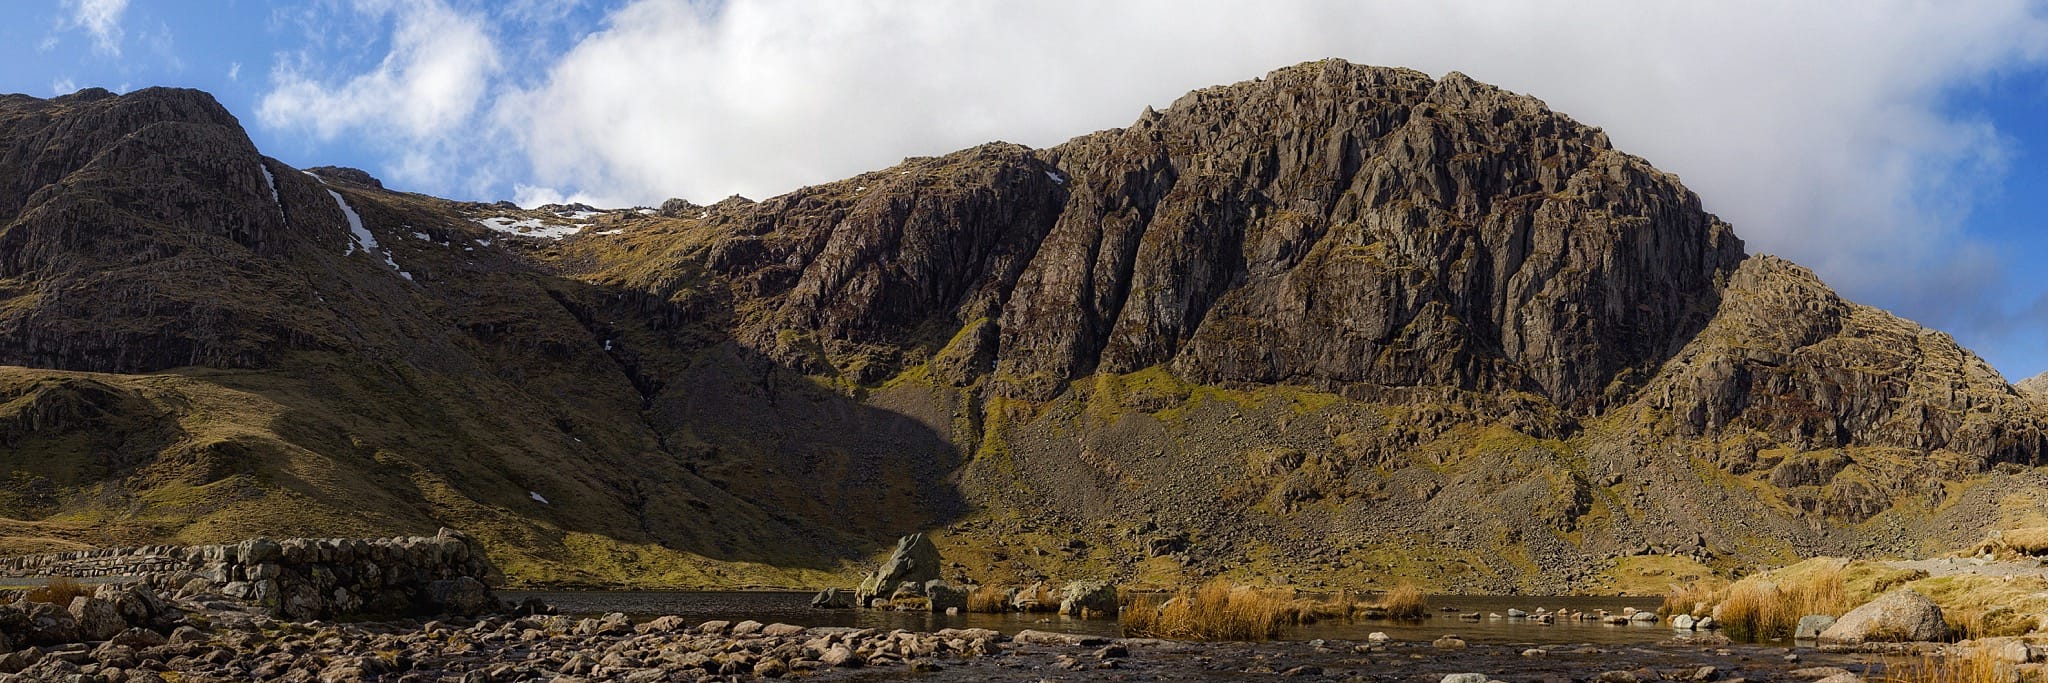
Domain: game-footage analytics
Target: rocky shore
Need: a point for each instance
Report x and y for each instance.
(614, 648)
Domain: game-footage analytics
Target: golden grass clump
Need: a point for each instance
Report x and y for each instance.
(1217, 611)
(2027, 541)
(1405, 601)
(1978, 665)
(1689, 599)
(59, 590)
(1757, 609)
(988, 599)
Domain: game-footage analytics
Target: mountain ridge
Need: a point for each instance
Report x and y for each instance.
(1338, 324)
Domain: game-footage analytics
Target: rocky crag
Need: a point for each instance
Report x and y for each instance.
(1341, 324)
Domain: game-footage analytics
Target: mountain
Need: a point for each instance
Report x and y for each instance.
(1339, 325)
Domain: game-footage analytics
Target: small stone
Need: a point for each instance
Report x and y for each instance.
(839, 656)
(1464, 678)
(1450, 643)
(1378, 637)
(1304, 670)
(1817, 672)
(1534, 652)
(1811, 626)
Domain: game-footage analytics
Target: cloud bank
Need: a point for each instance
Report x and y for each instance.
(100, 19)
(418, 102)
(1818, 129)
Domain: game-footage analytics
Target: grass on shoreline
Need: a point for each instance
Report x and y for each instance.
(1220, 611)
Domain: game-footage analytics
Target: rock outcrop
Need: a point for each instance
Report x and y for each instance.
(1291, 326)
(913, 564)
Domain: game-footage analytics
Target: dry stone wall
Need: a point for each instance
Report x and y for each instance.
(299, 578)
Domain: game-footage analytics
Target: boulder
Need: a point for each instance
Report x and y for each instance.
(1811, 626)
(832, 598)
(915, 560)
(97, 619)
(460, 595)
(1899, 616)
(1682, 622)
(944, 596)
(1083, 598)
(48, 624)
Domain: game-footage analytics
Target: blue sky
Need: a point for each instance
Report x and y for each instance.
(1898, 148)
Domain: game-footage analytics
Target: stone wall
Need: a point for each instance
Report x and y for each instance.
(298, 578)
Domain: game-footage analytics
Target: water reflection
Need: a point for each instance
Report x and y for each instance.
(794, 608)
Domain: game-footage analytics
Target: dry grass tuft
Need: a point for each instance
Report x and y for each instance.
(58, 591)
(1217, 611)
(988, 599)
(1691, 599)
(1405, 601)
(1758, 610)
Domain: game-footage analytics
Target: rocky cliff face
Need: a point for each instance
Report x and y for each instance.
(1339, 324)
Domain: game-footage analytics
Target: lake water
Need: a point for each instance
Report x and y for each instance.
(794, 608)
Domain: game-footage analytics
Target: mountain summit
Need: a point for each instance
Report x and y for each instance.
(1340, 324)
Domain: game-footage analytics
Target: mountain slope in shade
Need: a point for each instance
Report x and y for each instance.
(1340, 324)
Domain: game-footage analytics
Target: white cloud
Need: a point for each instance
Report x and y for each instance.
(418, 100)
(101, 19)
(63, 86)
(234, 71)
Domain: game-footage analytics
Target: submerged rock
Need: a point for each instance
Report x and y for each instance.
(832, 598)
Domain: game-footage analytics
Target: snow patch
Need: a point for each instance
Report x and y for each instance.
(421, 236)
(607, 345)
(645, 212)
(1056, 177)
(862, 188)
(613, 231)
(535, 495)
(529, 227)
(272, 182)
(706, 214)
(362, 237)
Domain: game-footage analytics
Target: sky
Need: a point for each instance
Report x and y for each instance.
(1897, 147)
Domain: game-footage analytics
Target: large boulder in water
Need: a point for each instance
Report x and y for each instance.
(1899, 616)
(832, 598)
(1086, 598)
(916, 561)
